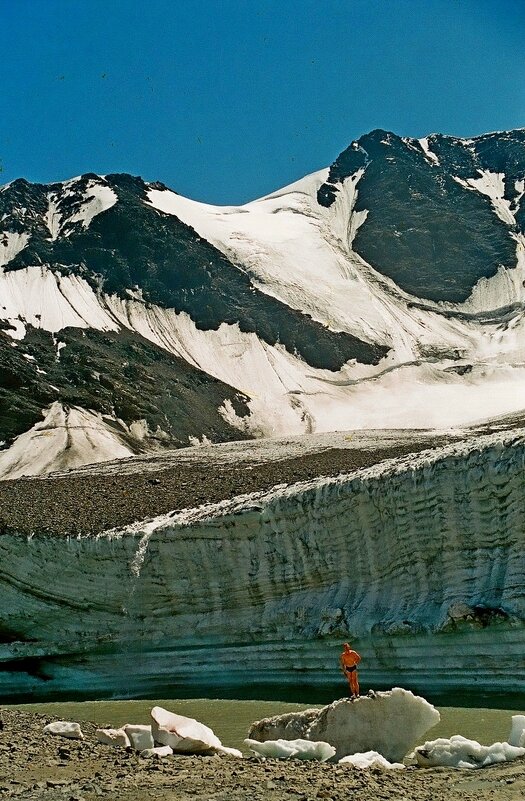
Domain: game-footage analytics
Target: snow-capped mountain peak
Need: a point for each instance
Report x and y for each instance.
(385, 290)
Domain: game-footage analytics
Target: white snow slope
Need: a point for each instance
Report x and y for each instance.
(301, 253)
(66, 438)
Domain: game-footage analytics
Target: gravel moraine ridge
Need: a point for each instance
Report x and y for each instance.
(38, 767)
(90, 502)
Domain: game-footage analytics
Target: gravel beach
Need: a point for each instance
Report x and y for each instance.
(40, 767)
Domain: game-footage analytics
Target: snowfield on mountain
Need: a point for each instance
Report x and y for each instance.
(386, 291)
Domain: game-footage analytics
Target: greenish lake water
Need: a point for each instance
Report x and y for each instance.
(231, 719)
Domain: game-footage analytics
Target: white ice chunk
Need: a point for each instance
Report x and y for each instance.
(292, 749)
(370, 759)
(140, 736)
(64, 728)
(113, 737)
(184, 735)
(458, 752)
(160, 750)
(389, 723)
(517, 731)
(223, 749)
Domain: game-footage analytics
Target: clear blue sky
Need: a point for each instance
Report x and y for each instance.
(225, 100)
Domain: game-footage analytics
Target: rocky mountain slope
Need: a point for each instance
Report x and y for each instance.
(386, 291)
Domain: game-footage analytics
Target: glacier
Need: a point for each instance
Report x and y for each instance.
(444, 363)
(418, 561)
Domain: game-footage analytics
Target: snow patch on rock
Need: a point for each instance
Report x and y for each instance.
(67, 437)
(46, 299)
(11, 243)
(429, 154)
(492, 184)
(96, 198)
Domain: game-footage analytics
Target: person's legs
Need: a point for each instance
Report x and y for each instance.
(354, 682)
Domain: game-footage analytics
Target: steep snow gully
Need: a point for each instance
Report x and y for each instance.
(418, 561)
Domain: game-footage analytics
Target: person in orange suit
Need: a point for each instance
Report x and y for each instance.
(349, 661)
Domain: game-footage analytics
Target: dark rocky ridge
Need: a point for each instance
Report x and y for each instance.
(132, 244)
(425, 231)
(118, 374)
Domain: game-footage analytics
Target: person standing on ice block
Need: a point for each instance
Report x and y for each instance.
(349, 661)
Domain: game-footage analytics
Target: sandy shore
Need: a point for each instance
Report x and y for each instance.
(35, 767)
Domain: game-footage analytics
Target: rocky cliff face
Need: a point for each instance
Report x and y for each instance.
(417, 561)
(441, 212)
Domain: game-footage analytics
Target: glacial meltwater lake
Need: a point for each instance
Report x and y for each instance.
(231, 719)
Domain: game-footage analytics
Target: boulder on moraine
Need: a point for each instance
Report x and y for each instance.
(387, 722)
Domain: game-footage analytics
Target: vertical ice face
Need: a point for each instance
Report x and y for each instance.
(417, 560)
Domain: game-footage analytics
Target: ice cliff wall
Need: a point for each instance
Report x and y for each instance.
(418, 561)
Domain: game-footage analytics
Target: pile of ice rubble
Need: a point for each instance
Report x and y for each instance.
(458, 752)
(167, 734)
(371, 731)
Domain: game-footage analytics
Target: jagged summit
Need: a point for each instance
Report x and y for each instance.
(386, 290)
